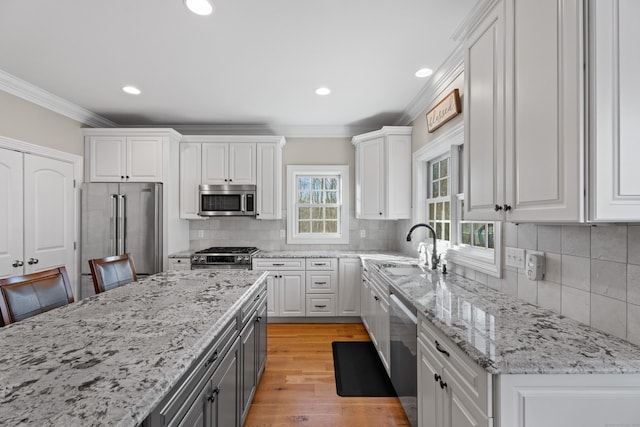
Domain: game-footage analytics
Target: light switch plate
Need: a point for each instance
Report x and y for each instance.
(514, 257)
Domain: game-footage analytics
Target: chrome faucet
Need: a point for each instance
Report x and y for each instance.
(435, 258)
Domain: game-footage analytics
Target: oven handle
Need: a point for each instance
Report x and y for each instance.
(404, 309)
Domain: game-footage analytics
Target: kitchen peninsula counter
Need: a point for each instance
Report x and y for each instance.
(111, 358)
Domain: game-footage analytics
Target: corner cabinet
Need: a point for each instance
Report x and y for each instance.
(383, 173)
(524, 104)
(219, 160)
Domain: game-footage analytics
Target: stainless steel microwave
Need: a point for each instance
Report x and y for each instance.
(227, 200)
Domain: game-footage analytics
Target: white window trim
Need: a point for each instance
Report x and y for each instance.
(293, 237)
(478, 259)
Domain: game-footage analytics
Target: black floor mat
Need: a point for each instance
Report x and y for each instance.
(359, 371)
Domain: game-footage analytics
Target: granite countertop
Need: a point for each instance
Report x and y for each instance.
(183, 254)
(329, 254)
(110, 359)
(506, 335)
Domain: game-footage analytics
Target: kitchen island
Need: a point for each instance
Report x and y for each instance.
(112, 358)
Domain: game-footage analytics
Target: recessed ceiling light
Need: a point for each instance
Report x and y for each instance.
(424, 72)
(132, 90)
(199, 7)
(323, 91)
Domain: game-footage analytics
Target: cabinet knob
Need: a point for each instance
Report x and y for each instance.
(443, 385)
(497, 208)
(258, 319)
(213, 394)
(127, 176)
(507, 208)
(436, 377)
(380, 213)
(121, 176)
(226, 180)
(32, 261)
(18, 263)
(212, 359)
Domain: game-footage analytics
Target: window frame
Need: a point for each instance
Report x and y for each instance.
(296, 238)
(487, 261)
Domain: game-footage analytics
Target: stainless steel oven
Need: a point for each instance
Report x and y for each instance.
(224, 258)
(403, 334)
(227, 200)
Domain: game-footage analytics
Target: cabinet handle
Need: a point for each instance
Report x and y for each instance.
(318, 264)
(212, 359)
(507, 208)
(497, 208)
(320, 306)
(319, 283)
(441, 350)
(213, 394)
(18, 263)
(443, 385)
(436, 377)
(277, 264)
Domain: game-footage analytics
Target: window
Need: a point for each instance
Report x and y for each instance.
(438, 183)
(317, 204)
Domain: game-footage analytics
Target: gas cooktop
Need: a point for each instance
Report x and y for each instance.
(228, 250)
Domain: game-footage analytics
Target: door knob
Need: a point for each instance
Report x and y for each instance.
(18, 263)
(32, 261)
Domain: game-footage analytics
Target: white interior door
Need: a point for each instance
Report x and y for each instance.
(48, 214)
(11, 239)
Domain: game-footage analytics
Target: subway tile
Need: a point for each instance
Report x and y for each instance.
(510, 283)
(576, 304)
(576, 272)
(470, 274)
(528, 236)
(633, 236)
(550, 238)
(550, 296)
(482, 278)
(609, 315)
(576, 240)
(633, 323)
(553, 267)
(609, 242)
(527, 289)
(494, 282)
(633, 284)
(609, 279)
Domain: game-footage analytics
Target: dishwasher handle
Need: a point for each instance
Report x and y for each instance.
(405, 310)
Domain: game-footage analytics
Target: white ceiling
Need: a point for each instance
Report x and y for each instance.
(251, 62)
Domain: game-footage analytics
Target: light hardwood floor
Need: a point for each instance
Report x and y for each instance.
(298, 386)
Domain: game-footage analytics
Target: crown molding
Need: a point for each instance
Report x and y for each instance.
(29, 92)
(473, 18)
(289, 131)
(385, 131)
(444, 76)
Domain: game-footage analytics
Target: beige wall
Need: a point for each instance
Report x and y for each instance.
(27, 122)
(320, 151)
(420, 136)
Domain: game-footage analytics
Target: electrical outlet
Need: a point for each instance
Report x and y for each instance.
(514, 257)
(363, 233)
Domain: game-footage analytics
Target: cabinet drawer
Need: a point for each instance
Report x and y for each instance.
(322, 263)
(278, 264)
(179, 264)
(250, 306)
(321, 305)
(321, 282)
(180, 400)
(471, 377)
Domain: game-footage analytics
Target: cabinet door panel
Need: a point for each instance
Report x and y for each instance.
(49, 213)
(224, 411)
(107, 159)
(242, 163)
(484, 118)
(273, 296)
(292, 294)
(190, 176)
(215, 163)
(11, 215)
(349, 284)
(430, 396)
(269, 181)
(371, 170)
(144, 159)
(247, 366)
(398, 193)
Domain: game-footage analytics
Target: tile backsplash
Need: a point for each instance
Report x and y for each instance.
(592, 273)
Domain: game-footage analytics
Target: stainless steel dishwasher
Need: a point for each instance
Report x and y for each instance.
(403, 334)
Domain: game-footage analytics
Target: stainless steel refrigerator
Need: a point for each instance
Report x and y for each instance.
(121, 218)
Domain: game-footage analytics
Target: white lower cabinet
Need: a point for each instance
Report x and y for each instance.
(375, 313)
(349, 284)
(285, 293)
(179, 264)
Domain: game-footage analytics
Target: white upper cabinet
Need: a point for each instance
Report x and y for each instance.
(190, 176)
(122, 158)
(11, 216)
(524, 106)
(269, 181)
(383, 173)
(614, 123)
(228, 163)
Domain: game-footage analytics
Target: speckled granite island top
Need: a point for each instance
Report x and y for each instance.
(506, 335)
(108, 360)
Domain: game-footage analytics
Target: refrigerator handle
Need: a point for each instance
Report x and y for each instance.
(114, 225)
(122, 226)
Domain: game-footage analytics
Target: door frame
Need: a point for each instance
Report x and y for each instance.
(77, 162)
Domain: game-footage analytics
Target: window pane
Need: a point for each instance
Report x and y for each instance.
(331, 197)
(316, 213)
(479, 236)
(490, 243)
(331, 183)
(303, 213)
(304, 183)
(331, 213)
(439, 230)
(304, 197)
(443, 187)
(316, 183)
(447, 211)
(444, 166)
(432, 210)
(316, 197)
(466, 234)
(435, 190)
(446, 231)
(432, 224)
(317, 226)
(331, 227)
(304, 227)
(435, 171)
(439, 211)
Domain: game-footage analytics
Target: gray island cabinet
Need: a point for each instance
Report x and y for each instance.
(180, 348)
